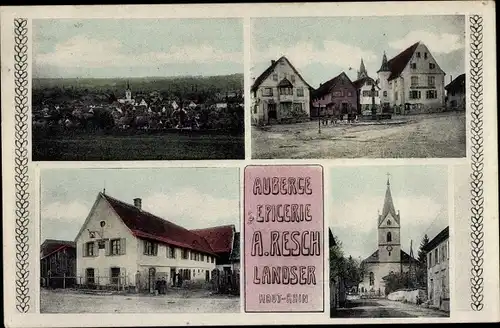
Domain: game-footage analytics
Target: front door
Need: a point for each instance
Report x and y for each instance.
(345, 108)
(152, 280)
(115, 276)
(271, 111)
(173, 276)
(207, 275)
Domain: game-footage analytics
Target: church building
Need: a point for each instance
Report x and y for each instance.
(128, 96)
(367, 91)
(389, 257)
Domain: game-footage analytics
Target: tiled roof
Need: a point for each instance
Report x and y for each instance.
(258, 81)
(148, 226)
(405, 258)
(219, 238)
(235, 252)
(325, 87)
(457, 84)
(360, 82)
(388, 206)
(399, 62)
(51, 246)
(440, 237)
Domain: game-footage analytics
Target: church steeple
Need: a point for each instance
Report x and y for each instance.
(385, 66)
(128, 92)
(362, 70)
(388, 207)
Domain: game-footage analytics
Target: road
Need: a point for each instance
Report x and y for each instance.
(382, 308)
(74, 302)
(421, 136)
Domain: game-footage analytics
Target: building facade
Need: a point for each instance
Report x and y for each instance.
(412, 81)
(224, 241)
(438, 271)
(280, 94)
(124, 246)
(336, 97)
(455, 93)
(57, 263)
(389, 257)
(367, 90)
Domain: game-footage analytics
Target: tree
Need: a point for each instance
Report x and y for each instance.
(421, 272)
(396, 281)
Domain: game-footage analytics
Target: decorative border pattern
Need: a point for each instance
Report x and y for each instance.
(21, 163)
(477, 158)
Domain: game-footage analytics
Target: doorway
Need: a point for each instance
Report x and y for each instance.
(151, 279)
(115, 276)
(173, 276)
(207, 275)
(271, 112)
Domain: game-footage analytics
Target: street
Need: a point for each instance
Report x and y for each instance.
(64, 301)
(420, 136)
(383, 308)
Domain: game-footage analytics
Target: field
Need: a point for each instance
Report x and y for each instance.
(167, 146)
(420, 136)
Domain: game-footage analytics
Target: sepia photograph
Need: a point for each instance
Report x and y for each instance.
(389, 242)
(140, 240)
(137, 89)
(358, 87)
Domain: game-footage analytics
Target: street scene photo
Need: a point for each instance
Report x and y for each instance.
(389, 242)
(358, 87)
(140, 240)
(137, 89)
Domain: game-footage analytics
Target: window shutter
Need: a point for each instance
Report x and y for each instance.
(123, 245)
(84, 250)
(107, 247)
(144, 246)
(96, 249)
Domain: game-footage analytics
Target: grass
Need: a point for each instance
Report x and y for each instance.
(139, 147)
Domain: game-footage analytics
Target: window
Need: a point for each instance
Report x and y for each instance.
(429, 260)
(425, 55)
(185, 253)
(285, 91)
(191, 256)
(385, 93)
(282, 62)
(388, 222)
(432, 66)
(444, 252)
(431, 94)
(275, 77)
(300, 92)
(431, 81)
(349, 94)
(389, 237)
(90, 249)
(171, 252)
(292, 77)
(208, 258)
(418, 54)
(90, 276)
(413, 65)
(366, 93)
(396, 95)
(372, 279)
(150, 248)
(337, 94)
(415, 94)
(267, 92)
(212, 259)
(414, 81)
(297, 107)
(115, 248)
(436, 258)
(202, 257)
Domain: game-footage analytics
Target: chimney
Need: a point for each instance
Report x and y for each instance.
(273, 62)
(138, 203)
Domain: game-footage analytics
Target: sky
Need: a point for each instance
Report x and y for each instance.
(323, 47)
(190, 197)
(420, 193)
(107, 48)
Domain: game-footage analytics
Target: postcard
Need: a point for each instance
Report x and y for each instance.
(249, 164)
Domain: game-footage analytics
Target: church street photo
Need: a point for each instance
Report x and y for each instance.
(137, 89)
(389, 242)
(358, 87)
(140, 240)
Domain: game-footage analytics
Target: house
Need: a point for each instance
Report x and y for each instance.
(455, 93)
(412, 81)
(336, 97)
(221, 240)
(122, 245)
(367, 91)
(280, 94)
(438, 270)
(57, 263)
(234, 257)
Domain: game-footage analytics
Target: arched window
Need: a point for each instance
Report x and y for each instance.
(388, 222)
(389, 237)
(372, 279)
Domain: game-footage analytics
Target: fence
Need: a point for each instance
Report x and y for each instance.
(225, 282)
(117, 283)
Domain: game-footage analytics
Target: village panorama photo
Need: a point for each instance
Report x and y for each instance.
(137, 89)
(140, 240)
(358, 87)
(389, 242)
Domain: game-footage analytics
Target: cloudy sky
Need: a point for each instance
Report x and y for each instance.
(137, 47)
(190, 197)
(420, 193)
(321, 48)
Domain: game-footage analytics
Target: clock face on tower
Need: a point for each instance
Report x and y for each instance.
(389, 248)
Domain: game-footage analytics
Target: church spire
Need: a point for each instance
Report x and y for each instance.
(385, 66)
(388, 204)
(362, 70)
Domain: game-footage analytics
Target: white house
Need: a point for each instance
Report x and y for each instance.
(412, 81)
(121, 244)
(368, 91)
(455, 93)
(280, 93)
(438, 270)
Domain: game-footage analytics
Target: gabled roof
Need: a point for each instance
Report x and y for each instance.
(405, 258)
(398, 63)
(51, 246)
(457, 84)
(388, 206)
(148, 226)
(360, 82)
(440, 237)
(328, 85)
(285, 83)
(219, 238)
(235, 252)
(270, 69)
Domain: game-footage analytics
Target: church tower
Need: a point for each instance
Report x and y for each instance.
(389, 243)
(128, 92)
(362, 70)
